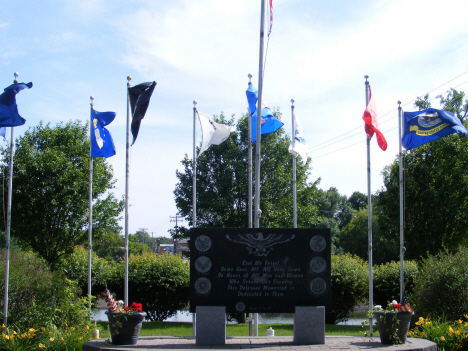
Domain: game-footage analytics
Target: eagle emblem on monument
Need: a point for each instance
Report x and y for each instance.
(257, 244)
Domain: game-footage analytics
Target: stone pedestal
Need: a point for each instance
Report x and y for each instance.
(309, 325)
(211, 325)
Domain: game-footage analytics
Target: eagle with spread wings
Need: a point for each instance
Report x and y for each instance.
(258, 245)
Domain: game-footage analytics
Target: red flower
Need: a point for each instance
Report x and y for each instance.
(126, 308)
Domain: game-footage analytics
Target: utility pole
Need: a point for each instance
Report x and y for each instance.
(143, 230)
(175, 219)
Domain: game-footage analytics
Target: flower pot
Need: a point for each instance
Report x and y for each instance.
(393, 327)
(125, 327)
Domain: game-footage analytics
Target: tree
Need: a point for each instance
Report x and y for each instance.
(222, 183)
(436, 193)
(110, 245)
(51, 187)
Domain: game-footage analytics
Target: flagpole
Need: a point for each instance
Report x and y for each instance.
(294, 166)
(369, 219)
(127, 175)
(250, 162)
(90, 208)
(402, 219)
(249, 206)
(194, 167)
(8, 223)
(258, 211)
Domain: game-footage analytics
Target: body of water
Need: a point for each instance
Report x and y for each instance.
(263, 318)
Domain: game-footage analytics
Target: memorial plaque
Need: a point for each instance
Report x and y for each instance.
(255, 270)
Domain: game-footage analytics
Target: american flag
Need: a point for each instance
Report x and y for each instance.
(405, 305)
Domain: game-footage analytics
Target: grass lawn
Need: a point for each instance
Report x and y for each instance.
(185, 329)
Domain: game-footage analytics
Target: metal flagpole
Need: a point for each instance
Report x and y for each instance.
(258, 211)
(402, 220)
(294, 165)
(369, 220)
(194, 194)
(249, 206)
(8, 222)
(90, 208)
(194, 166)
(250, 162)
(127, 175)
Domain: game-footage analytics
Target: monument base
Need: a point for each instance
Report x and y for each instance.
(210, 326)
(309, 325)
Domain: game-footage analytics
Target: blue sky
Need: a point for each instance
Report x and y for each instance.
(203, 50)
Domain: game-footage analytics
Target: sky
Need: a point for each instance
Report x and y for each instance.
(318, 55)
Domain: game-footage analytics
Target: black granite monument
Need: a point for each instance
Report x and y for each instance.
(260, 270)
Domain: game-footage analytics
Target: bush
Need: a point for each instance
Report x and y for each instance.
(36, 296)
(160, 282)
(348, 285)
(447, 335)
(386, 281)
(442, 286)
(75, 267)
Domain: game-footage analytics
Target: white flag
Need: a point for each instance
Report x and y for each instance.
(212, 133)
(300, 147)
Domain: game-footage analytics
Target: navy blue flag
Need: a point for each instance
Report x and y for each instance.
(422, 127)
(102, 144)
(140, 96)
(9, 116)
(269, 123)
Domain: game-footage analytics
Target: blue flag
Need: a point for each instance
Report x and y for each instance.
(422, 127)
(269, 123)
(9, 116)
(102, 144)
(140, 96)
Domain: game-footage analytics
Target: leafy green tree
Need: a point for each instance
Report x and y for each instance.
(135, 245)
(436, 193)
(110, 246)
(161, 283)
(222, 183)
(51, 186)
(358, 201)
(336, 211)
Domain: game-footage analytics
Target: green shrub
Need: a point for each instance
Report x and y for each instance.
(36, 296)
(447, 335)
(160, 282)
(442, 286)
(75, 267)
(386, 281)
(348, 284)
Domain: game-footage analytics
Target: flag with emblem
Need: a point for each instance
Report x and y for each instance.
(422, 127)
(102, 144)
(269, 123)
(212, 133)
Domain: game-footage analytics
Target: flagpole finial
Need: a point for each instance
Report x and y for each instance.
(16, 76)
(292, 102)
(92, 101)
(366, 76)
(194, 105)
(129, 78)
(399, 102)
(250, 78)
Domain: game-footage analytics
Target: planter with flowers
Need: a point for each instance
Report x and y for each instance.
(124, 322)
(393, 322)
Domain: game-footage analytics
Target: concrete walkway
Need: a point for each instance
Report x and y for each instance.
(263, 343)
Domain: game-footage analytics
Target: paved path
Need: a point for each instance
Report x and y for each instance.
(263, 344)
